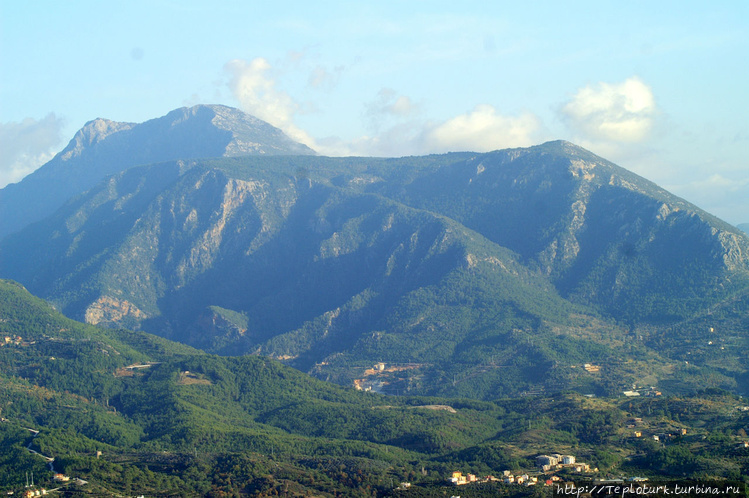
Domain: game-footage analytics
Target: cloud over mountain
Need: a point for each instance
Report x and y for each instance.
(254, 87)
(26, 145)
(483, 129)
(619, 112)
(396, 127)
(603, 116)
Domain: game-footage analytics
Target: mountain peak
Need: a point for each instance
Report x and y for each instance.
(92, 133)
(246, 134)
(243, 133)
(103, 147)
(569, 149)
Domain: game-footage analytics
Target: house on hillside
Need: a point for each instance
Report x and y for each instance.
(544, 461)
(458, 478)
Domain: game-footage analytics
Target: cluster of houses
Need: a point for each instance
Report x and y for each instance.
(11, 340)
(32, 490)
(546, 463)
(663, 436)
(637, 422)
(651, 392)
(458, 479)
(556, 461)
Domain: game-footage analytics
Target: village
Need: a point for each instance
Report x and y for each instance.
(32, 490)
(11, 340)
(546, 466)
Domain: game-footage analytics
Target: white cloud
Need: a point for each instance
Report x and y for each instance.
(481, 130)
(392, 118)
(257, 93)
(27, 145)
(621, 112)
(711, 189)
(401, 139)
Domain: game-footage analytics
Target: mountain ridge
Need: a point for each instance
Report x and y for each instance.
(513, 265)
(441, 262)
(103, 147)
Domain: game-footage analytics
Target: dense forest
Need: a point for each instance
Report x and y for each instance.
(124, 412)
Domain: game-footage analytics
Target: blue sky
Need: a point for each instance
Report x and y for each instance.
(659, 88)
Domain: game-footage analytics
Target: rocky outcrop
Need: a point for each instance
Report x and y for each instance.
(112, 311)
(92, 133)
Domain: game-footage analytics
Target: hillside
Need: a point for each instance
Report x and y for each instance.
(130, 413)
(466, 274)
(103, 147)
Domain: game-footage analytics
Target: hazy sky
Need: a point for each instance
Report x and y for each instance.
(658, 87)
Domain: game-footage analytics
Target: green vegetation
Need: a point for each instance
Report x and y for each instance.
(179, 422)
(507, 300)
(468, 275)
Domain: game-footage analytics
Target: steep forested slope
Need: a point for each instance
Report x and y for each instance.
(131, 413)
(466, 274)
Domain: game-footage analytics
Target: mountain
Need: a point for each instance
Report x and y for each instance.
(602, 234)
(461, 274)
(103, 147)
(744, 227)
(123, 412)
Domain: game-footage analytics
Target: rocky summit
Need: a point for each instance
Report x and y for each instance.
(103, 147)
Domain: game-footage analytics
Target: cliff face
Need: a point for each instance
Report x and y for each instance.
(103, 147)
(107, 310)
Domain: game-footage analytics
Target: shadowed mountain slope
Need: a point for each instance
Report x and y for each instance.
(470, 274)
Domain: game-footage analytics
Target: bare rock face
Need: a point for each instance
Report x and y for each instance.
(112, 311)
